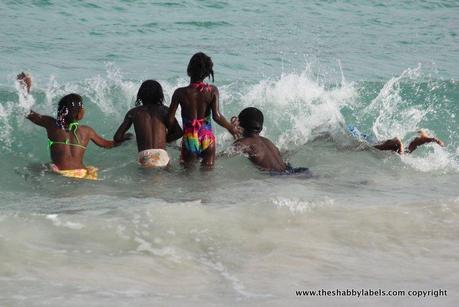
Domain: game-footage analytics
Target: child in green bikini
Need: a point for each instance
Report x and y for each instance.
(67, 139)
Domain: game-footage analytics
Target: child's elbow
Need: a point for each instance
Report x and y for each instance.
(118, 138)
(110, 144)
(216, 117)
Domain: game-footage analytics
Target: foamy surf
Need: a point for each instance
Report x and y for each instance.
(366, 220)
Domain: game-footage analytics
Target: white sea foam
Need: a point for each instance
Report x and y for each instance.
(299, 107)
(301, 206)
(68, 224)
(437, 159)
(395, 115)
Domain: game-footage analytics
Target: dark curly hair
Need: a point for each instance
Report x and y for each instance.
(150, 92)
(251, 119)
(68, 109)
(200, 67)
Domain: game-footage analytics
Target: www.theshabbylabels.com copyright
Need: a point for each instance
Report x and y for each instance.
(372, 293)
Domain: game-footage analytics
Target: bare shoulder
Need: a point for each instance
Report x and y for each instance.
(213, 89)
(180, 90)
(266, 140)
(135, 109)
(269, 145)
(245, 144)
(242, 141)
(178, 95)
(85, 129)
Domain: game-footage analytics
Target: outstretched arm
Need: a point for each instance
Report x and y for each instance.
(422, 139)
(174, 133)
(218, 117)
(41, 120)
(172, 110)
(394, 144)
(120, 135)
(100, 141)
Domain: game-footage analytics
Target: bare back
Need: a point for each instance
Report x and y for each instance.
(67, 148)
(68, 156)
(150, 127)
(150, 124)
(195, 103)
(262, 152)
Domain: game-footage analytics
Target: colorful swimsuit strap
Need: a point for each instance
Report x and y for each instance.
(197, 123)
(73, 126)
(202, 86)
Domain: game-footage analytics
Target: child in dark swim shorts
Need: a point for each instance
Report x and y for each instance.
(261, 151)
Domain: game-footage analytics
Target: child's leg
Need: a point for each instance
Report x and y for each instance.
(208, 156)
(394, 144)
(187, 158)
(421, 139)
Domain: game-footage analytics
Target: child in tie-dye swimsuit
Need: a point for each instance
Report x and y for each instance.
(199, 101)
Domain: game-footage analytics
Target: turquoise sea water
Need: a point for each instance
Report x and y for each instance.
(234, 235)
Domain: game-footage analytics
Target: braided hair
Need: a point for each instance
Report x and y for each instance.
(68, 109)
(150, 92)
(200, 67)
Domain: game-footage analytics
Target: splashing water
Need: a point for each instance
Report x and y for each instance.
(298, 108)
(234, 235)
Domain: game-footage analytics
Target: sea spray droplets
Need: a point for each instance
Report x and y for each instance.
(396, 116)
(5, 127)
(299, 108)
(110, 93)
(12, 114)
(437, 160)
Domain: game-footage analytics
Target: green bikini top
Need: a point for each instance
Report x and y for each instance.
(73, 125)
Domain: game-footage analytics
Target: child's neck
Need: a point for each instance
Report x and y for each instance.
(196, 80)
(250, 134)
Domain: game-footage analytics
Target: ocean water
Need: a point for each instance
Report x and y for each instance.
(235, 235)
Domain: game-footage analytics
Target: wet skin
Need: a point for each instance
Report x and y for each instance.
(67, 157)
(261, 151)
(150, 124)
(196, 104)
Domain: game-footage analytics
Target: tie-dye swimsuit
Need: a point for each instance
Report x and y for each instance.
(197, 133)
